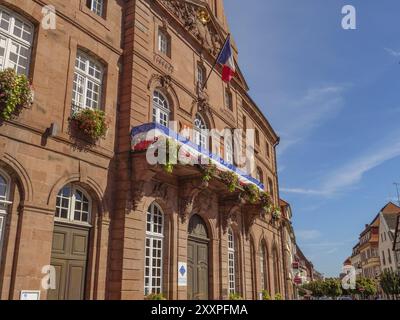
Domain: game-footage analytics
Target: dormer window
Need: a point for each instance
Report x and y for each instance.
(97, 6)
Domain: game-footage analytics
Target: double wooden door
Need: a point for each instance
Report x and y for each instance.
(197, 270)
(69, 258)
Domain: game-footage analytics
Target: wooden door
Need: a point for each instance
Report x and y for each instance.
(198, 273)
(69, 258)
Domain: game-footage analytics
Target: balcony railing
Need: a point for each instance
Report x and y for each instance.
(147, 134)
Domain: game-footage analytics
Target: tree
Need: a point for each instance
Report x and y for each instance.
(390, 283)
(333, 288)
(367, 287)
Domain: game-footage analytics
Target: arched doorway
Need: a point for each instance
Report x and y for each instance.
(70, 246)
(198, 249)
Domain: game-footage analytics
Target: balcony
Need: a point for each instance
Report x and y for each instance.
(197, 168)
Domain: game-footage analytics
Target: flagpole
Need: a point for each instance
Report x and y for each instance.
(216, 61)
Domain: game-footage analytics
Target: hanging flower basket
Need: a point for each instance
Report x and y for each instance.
(230, 179)
(91, 123)
(266, 201)
(276, 213)
(251, 193)
(16, 93)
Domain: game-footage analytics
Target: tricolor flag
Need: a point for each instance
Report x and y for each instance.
(225, 58)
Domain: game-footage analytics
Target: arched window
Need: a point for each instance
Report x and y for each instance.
(161, 109)
(154, 250)
(263, 268)
(4, 188)
(276, 272)
(200, 132)
(231, 262)
(73, 205)
(16, 37)
(4, 197)
(228, 146)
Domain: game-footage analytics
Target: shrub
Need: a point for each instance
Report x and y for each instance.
(235, 296)
(15, 94)
(266, 295)
(252, 193)
(155, 296)
(278, 296)
(230, 179)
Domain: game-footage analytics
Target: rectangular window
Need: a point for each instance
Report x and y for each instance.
(16, 37)
(389, 257)
(164, 43)
(257, 137)
(228, 99)
(97, 6)
(267, 149)
(88, 83)
(200, 75)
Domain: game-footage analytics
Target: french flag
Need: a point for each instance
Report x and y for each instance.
(226, 60)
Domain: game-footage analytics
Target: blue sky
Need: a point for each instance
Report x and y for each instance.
(333, 97)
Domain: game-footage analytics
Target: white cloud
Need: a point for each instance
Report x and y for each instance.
(301, 115)
(302, 191)
(393, 52)
(308, 234)
(352, 172)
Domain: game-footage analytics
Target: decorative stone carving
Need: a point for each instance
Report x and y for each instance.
(188, 15)
(169, 68)
(163, 80)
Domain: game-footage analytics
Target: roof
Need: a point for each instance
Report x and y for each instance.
(390, 208)
(391, 220)
(283, 203)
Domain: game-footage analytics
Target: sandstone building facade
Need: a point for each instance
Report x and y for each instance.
(112, 225)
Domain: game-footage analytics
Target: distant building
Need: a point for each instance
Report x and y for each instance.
(369, 242)
(387, 230)
(356, 259)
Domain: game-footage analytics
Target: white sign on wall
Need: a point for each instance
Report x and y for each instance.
(30, 295)
(182, 274)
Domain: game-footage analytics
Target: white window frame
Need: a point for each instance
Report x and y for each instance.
(263, 260)
(71, 206)
(83, 79)
(150, 259)
(161, 111)
(97, 6)
(231, 262)
(10, 40)
(200, 132)
(201, 75)
(4, 203)
(163, 42)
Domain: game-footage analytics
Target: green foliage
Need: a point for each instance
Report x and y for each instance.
(370, 287)
(155, 296)
(278, 296)
(252, 193)
(266, 201)
(266, 295)
(390, 282)
(235, 296)
(276, 213)
(230, 179)
(208, 172)
(90, 122)
(15, 93)
(317, 288)
(333, 288)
